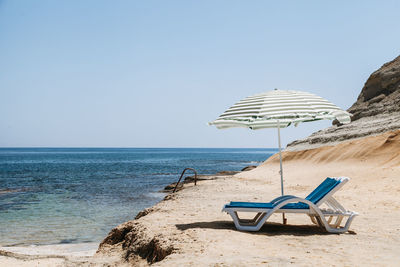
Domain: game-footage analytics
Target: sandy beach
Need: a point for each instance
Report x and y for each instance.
(188, 227)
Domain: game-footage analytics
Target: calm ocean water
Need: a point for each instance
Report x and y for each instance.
(74, 195)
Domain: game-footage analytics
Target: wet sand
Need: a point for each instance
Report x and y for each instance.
(47, 255)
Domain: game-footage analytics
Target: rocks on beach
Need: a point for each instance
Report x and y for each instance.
(191, 179)
(377, 110)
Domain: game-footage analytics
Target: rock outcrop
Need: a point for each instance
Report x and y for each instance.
(134, 244)
(381, 92)
(376, 110)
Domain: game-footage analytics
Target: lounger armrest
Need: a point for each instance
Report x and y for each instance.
(280, 198)
(288, 199)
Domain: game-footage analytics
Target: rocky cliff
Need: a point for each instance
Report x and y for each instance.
(376, 110)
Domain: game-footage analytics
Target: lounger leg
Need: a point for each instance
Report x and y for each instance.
(255, 219)
(249, 221)
(245, 222)
(249, 225)
(338, 221)
(319, 221)
(338, 229)
(313, 220)
(348, 222)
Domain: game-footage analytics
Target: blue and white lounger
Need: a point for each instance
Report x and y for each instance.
(292, 204)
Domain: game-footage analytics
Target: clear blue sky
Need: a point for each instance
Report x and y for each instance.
(153, 73)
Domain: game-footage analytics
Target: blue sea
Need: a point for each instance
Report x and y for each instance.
(76, 195)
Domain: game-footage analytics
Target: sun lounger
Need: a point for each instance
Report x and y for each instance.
(310, 205)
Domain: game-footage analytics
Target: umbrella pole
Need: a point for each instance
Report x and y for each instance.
(281, 171)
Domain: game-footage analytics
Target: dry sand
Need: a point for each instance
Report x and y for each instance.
(189, 229)
(192, 226)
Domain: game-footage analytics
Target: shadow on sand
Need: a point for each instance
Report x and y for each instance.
(269, 229)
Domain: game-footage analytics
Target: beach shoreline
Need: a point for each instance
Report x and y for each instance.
(47, 255)
(80, 254)
(188, 227)
(78, 249)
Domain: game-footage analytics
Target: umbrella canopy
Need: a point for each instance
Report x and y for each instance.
(279, 109)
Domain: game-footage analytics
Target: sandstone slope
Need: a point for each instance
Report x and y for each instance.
(376, 110)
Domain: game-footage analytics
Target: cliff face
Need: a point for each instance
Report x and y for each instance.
(381, 92)
(376, 110)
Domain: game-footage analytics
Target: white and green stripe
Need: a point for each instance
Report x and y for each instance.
(279, 108)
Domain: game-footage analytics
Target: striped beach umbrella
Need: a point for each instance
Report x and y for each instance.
(279, 109)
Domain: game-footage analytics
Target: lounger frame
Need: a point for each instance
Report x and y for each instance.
(322, 217)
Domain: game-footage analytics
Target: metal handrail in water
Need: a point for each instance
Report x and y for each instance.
(195, 177)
